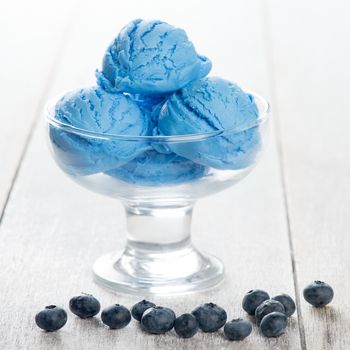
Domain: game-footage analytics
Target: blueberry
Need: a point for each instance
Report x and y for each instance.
(318, 293)
(186, 326)
(237, 329)
(287, 302)
(139, 308)
(51, 318)
(158, 320)
(210, 317)
(274, 324)
(267, 307)
(116, 316)
(253, 299)
(84, 306)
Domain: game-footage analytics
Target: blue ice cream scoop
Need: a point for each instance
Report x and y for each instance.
(207, 105)
(95, 110)
(157, 169)
(151, 57)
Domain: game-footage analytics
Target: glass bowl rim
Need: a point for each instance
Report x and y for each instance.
(50, 117)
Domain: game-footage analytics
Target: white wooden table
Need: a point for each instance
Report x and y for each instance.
(285, 225)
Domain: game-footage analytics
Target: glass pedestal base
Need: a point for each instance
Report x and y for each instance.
(144, 269)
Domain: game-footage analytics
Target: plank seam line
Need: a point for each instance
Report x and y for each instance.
(272, 87)
(38, 111)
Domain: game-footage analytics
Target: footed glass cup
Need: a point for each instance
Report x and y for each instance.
(158, 179)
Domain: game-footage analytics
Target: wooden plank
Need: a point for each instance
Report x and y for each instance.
(311, 61)
(31, 34)
(53, 230)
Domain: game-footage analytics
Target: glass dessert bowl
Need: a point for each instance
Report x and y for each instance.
(158, 179)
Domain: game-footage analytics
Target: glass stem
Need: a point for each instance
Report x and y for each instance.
(158, 228)
(159, 257)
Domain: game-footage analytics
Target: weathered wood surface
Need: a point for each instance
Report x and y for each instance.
(32, 36)
(311, 58)
(53, 230)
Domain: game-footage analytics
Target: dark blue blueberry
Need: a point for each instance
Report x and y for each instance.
(287, 302)
(51, 318)
(186, 326)
(139, 308)
(253, 299)
(267, 307)
(116, 316)
(158, 320)
(274, 324)
(210, 317)
(84, 306)
(318, 293)
(237, 329)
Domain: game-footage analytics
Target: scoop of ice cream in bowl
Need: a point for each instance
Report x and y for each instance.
(158, 134)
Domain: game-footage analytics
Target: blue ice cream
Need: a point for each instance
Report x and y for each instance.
(156, 169)
(153, 82)
(151, 57)
(96, 110)
(150, 105)
(208, 105)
